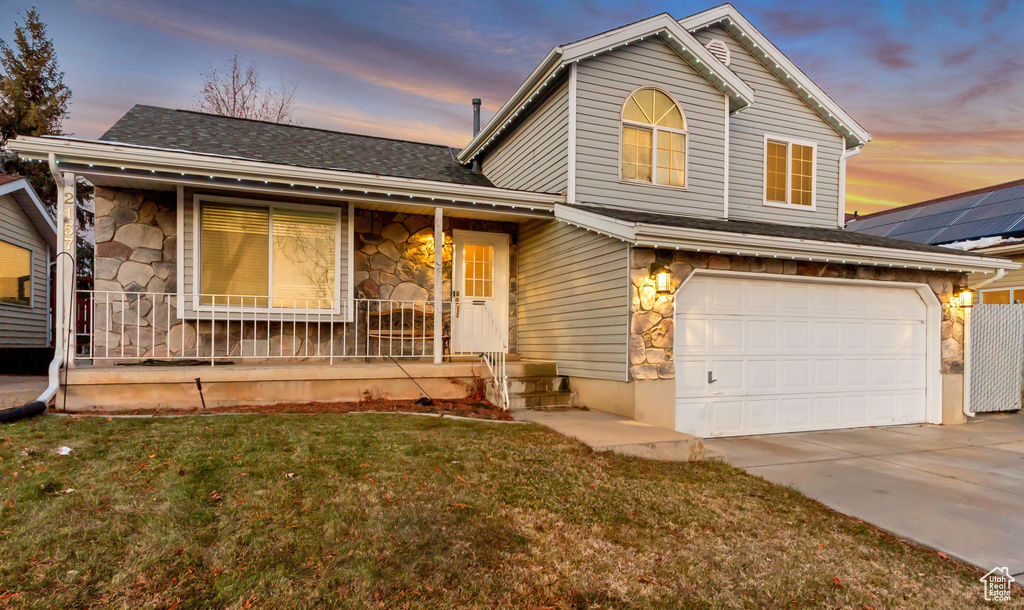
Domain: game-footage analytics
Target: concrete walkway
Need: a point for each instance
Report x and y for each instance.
(959, 489)
(607, 432)
(16, 391)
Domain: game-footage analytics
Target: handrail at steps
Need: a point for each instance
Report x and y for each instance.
(495, 361)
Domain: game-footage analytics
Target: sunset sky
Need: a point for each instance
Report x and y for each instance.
(939, 84)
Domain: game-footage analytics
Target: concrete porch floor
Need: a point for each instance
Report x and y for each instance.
(607, 432)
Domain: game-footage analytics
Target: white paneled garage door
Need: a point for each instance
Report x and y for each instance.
(761, 356)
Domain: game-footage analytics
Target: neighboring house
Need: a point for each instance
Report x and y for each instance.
(987, 221)
(656, 215)
(28, 240)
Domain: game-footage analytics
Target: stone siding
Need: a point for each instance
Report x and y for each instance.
(652, 328)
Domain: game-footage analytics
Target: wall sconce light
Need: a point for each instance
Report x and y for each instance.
(962, 297)
(662, 278)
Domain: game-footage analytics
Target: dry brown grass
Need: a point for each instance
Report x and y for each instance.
(352, 511)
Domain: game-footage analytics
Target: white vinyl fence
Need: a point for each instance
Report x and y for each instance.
(997, 357)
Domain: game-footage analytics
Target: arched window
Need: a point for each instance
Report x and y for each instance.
(653, 139)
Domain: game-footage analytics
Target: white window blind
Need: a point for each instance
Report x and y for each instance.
(273, 255)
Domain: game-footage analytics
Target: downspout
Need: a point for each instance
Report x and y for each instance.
(58, 352)
(967, 343)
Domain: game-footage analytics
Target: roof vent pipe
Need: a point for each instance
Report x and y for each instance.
(476, 116)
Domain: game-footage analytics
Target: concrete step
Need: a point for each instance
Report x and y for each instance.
(546, 383)
(541, 400)
(529, 368)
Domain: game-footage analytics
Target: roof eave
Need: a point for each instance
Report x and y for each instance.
(763, 246)
(86, 153)
(755, 42)
(542, 76)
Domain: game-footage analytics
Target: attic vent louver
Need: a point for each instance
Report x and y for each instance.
(719, 50)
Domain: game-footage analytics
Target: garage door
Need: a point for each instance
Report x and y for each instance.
(762, 356)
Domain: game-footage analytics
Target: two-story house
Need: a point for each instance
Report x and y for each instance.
(650, 225)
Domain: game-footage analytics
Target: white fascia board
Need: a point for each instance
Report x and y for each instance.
(541, 77)
(24, 188)
(783, 248)
(765, 246)
(680, 40)
(612, 227)
(143, 158)
(755, 42)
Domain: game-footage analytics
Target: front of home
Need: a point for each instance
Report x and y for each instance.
(652, 223)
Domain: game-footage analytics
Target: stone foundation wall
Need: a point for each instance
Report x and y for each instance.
(653, 323)
(136, 252)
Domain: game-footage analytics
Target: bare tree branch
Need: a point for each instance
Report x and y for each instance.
(237, 91)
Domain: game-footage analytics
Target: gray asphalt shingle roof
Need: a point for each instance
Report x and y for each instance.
(765, 228)
(203, 133)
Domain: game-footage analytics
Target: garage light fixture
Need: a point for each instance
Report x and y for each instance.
(662, 278)
(962, 298)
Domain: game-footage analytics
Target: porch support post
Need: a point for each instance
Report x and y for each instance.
(67, 254)
(438, 265)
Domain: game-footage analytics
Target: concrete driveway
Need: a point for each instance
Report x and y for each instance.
(959, 489)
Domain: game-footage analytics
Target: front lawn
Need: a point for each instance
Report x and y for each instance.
(393, 511)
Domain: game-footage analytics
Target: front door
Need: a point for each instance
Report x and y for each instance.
(479, 292)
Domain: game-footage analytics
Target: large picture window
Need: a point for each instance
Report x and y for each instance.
(653, 139)
(281, 256)
(788, 172)
(15, 275)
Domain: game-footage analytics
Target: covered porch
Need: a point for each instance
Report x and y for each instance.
(276, 282)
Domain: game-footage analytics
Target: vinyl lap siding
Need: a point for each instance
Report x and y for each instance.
(25, 326)
(604, 82)
(573, 305)
(535, 156)
(776, 110)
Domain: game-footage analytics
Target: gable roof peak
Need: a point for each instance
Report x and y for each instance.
(727, 16)
(561, 58)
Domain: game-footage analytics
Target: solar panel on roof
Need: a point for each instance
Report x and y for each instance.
(921, 223)
(981, 228)
(1014, 192)
(920, 237)
(994, 210)
(960, 203)
(886, 219)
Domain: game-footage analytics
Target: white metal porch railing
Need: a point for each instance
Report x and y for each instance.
(138, 326)
(495, 361)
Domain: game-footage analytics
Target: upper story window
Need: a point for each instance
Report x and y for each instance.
(653, 139)
(15, 275)
(789, 167)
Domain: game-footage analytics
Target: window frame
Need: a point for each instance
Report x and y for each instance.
(623, 123)
(31, 277)
(789, 142)
(197, 252)
(1010, 289)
